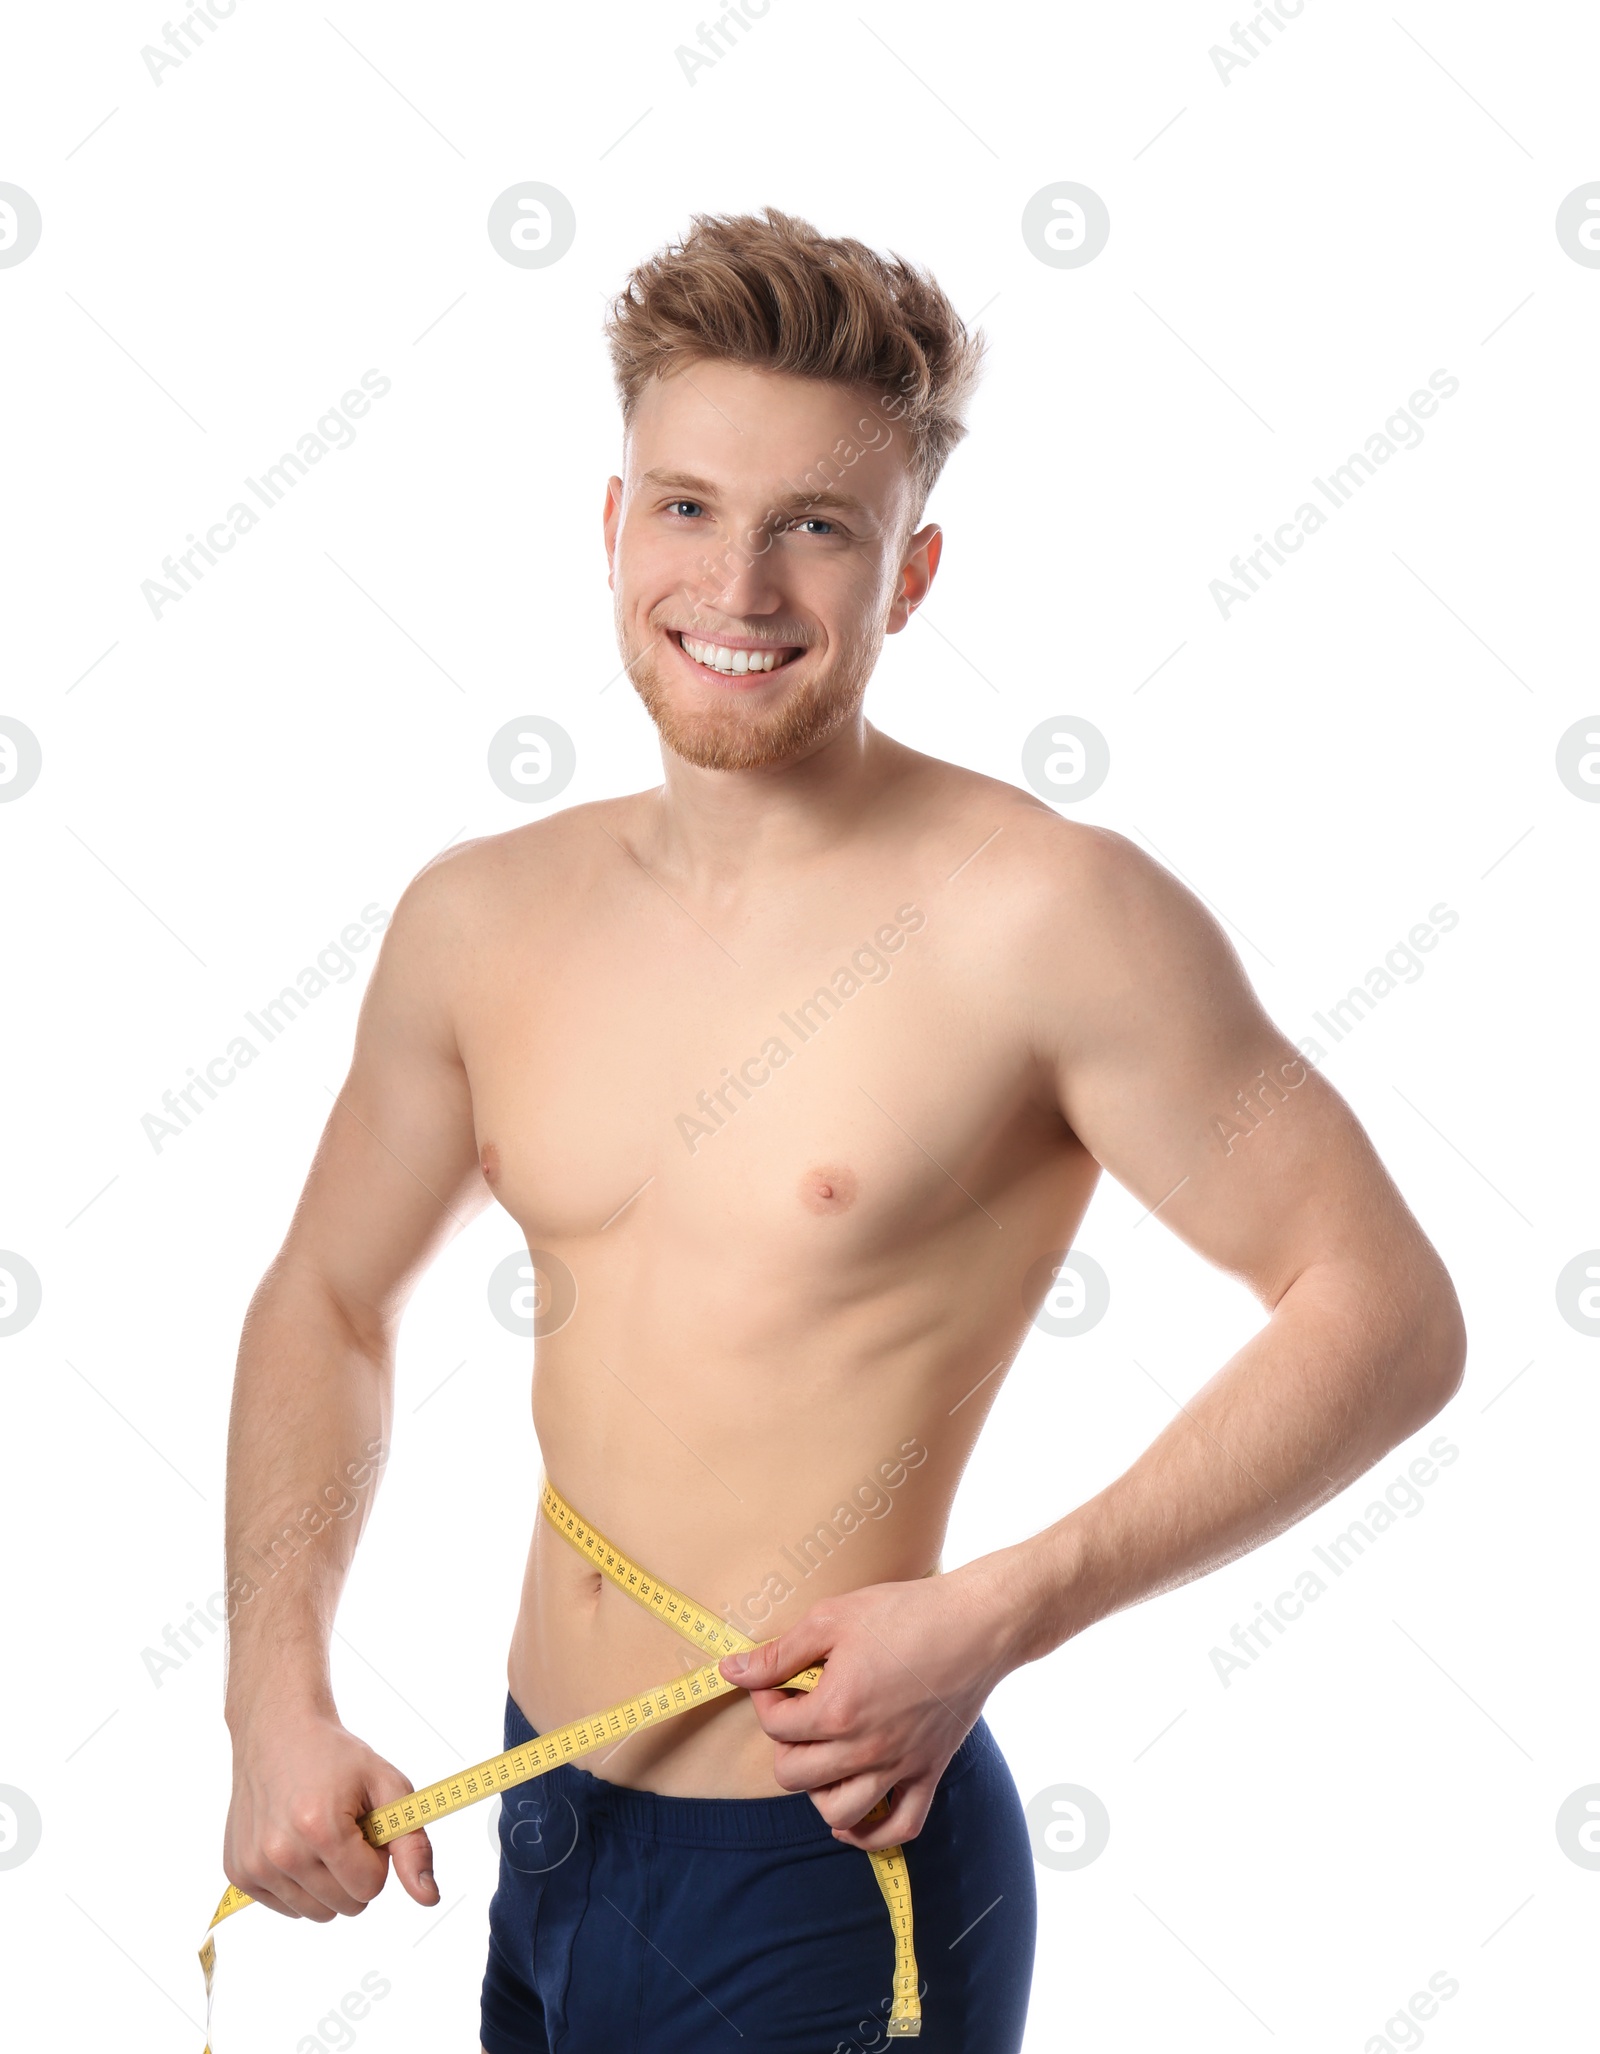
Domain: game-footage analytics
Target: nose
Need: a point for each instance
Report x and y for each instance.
(741, 578)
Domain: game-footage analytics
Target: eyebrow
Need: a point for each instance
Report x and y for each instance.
(790, 502)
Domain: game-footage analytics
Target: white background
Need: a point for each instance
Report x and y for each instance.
(1291, 254)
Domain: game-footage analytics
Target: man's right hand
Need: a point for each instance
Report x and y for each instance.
(300, 1783)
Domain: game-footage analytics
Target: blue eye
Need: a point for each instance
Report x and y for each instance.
(673, 504)
(813, 521)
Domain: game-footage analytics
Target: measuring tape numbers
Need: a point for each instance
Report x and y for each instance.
(547, 1751)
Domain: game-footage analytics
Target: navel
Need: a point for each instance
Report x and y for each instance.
(832, 1188)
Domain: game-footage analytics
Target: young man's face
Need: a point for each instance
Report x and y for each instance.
(766, 514)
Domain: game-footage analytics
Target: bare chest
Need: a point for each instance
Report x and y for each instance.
(837, 1082)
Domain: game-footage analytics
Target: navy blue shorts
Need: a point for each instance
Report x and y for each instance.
(626, 1922)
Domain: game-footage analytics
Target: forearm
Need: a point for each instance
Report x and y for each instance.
(1341, 1373)
(307, 1439)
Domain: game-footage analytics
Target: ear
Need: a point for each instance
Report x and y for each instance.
(610, 521)
(916, 575)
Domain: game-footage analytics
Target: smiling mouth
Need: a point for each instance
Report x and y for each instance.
(726, 662)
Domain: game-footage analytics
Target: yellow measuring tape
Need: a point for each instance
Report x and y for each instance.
(548, 1750)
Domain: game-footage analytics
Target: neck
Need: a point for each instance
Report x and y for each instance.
(719, 830)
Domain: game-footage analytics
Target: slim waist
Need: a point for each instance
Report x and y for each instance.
(791, 1821)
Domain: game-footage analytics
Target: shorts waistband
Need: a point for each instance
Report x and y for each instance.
(790, 1821)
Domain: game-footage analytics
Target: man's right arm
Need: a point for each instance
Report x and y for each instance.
(394, 1177)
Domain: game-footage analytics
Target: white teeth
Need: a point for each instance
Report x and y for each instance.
(735, 662)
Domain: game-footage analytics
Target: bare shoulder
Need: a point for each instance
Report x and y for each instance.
(1034, 872)
(1098, 882)
(464, 894)
(1077, 929)
(448, 937)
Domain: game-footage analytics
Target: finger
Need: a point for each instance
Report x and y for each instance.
(802, 1717)
(330, 1858)
(772, 1662)
(294, 1886)
(845, 1802)
(258, 1893)
(907, 1814)
(355, 1868)
(412, 1853)
(825, 1764)
(320, 1881)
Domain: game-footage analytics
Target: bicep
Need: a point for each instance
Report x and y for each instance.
(396, 1173)
(1171, 1073)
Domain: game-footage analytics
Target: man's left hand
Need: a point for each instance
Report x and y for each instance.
(907, 1669)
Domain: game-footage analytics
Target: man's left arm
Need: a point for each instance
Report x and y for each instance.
(1151, 1033)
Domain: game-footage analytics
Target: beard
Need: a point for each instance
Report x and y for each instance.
(739, 737)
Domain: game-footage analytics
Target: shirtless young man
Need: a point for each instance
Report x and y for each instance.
(802, 1064)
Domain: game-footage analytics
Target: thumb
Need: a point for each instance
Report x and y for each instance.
(773, 1662)
(412, 1853)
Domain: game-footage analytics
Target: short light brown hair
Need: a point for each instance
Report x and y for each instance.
(767, 290)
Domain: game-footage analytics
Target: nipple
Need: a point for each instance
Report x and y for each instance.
(489, 1161)
(829, 1189)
